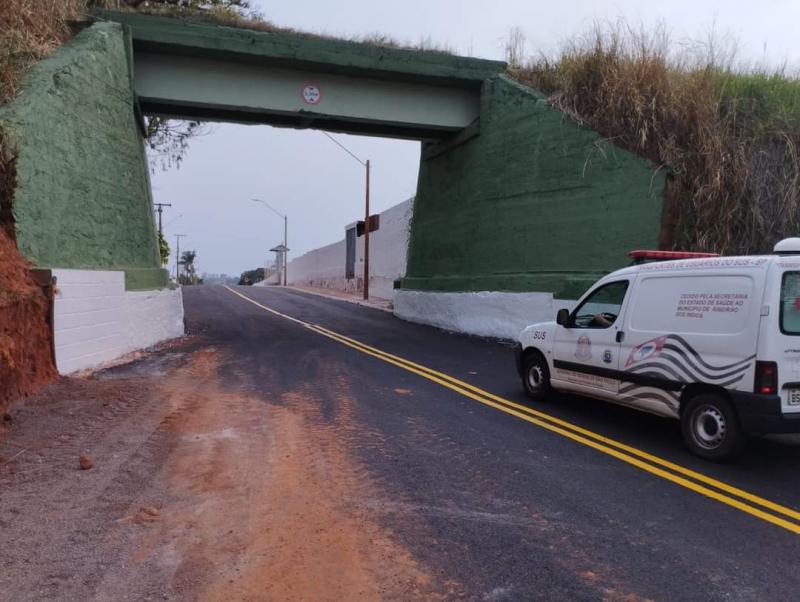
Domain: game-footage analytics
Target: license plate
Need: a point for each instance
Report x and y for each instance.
(794, 397)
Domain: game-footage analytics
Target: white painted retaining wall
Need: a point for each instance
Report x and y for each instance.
(97, 320)
(494, 314)
(388, 246)
(488, 313)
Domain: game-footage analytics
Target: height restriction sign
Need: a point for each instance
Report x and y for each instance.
(312, 94)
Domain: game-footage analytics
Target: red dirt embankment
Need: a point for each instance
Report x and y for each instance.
(26, 361)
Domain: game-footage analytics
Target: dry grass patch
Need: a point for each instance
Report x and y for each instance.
(730, 137)
(29, 31)
(250, 20)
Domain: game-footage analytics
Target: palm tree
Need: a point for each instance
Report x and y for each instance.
(187, 261)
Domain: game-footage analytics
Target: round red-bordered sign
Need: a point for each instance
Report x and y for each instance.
(311, 94)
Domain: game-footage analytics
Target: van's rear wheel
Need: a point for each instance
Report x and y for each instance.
(536, 377)
(711, 427)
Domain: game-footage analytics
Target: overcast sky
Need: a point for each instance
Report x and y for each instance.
(303, 174)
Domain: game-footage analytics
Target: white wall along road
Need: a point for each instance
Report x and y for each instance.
(486, 313)
(98, 321)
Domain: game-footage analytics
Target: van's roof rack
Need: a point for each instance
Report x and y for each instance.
(645, 255)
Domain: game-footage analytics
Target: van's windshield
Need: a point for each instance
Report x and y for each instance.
(790, 303)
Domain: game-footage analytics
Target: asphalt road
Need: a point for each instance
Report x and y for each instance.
(500, 506)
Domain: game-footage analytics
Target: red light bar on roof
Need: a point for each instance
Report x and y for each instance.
(642, 255)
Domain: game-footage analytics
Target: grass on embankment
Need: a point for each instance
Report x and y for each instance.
(29, 31)
(730, 136)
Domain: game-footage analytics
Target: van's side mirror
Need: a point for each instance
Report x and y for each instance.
(562, 318)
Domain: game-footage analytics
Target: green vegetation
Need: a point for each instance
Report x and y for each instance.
(29, 31)
(730, 137)
(250, 277)
(188, 272)
(163, 248)
(168, 140)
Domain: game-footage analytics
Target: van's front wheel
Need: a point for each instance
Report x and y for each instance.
(536, 376)
(711, 427)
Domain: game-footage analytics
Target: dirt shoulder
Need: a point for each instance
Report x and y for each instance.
(195, 492)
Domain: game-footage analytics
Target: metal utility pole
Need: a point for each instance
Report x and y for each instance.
(366, 238)
(366, 216)
(285, 251)
(160, 209)
(285, 239)
(178, 255)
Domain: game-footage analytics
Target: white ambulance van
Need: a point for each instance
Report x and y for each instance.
(712, 341)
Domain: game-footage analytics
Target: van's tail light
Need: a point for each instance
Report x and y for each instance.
(766, 378)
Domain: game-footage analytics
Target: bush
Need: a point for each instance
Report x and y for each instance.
(250, 277)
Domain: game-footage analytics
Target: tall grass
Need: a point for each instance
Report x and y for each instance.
(253, 20)
(29, 31)
(729, 136)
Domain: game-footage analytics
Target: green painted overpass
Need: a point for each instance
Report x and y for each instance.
(512, 195)
(224, 74)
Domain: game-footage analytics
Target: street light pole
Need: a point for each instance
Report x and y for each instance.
(366, 238)
(285, 240)
(285, 251)
(366, 217)
(160, 209)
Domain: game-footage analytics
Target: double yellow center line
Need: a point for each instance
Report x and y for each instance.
(754, 505)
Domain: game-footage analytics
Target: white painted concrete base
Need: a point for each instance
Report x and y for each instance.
(490, 314)
(97, 320)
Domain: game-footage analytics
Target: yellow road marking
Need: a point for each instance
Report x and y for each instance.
(571, 431)
(789, 512)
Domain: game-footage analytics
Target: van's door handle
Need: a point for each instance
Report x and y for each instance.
(620, 336)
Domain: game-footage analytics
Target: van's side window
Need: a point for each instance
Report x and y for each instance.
(790, 303)
(601, 308)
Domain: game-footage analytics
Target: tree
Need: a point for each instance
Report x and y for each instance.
(168, 140)
(189, 275)
(250, 277)
(163, 248)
